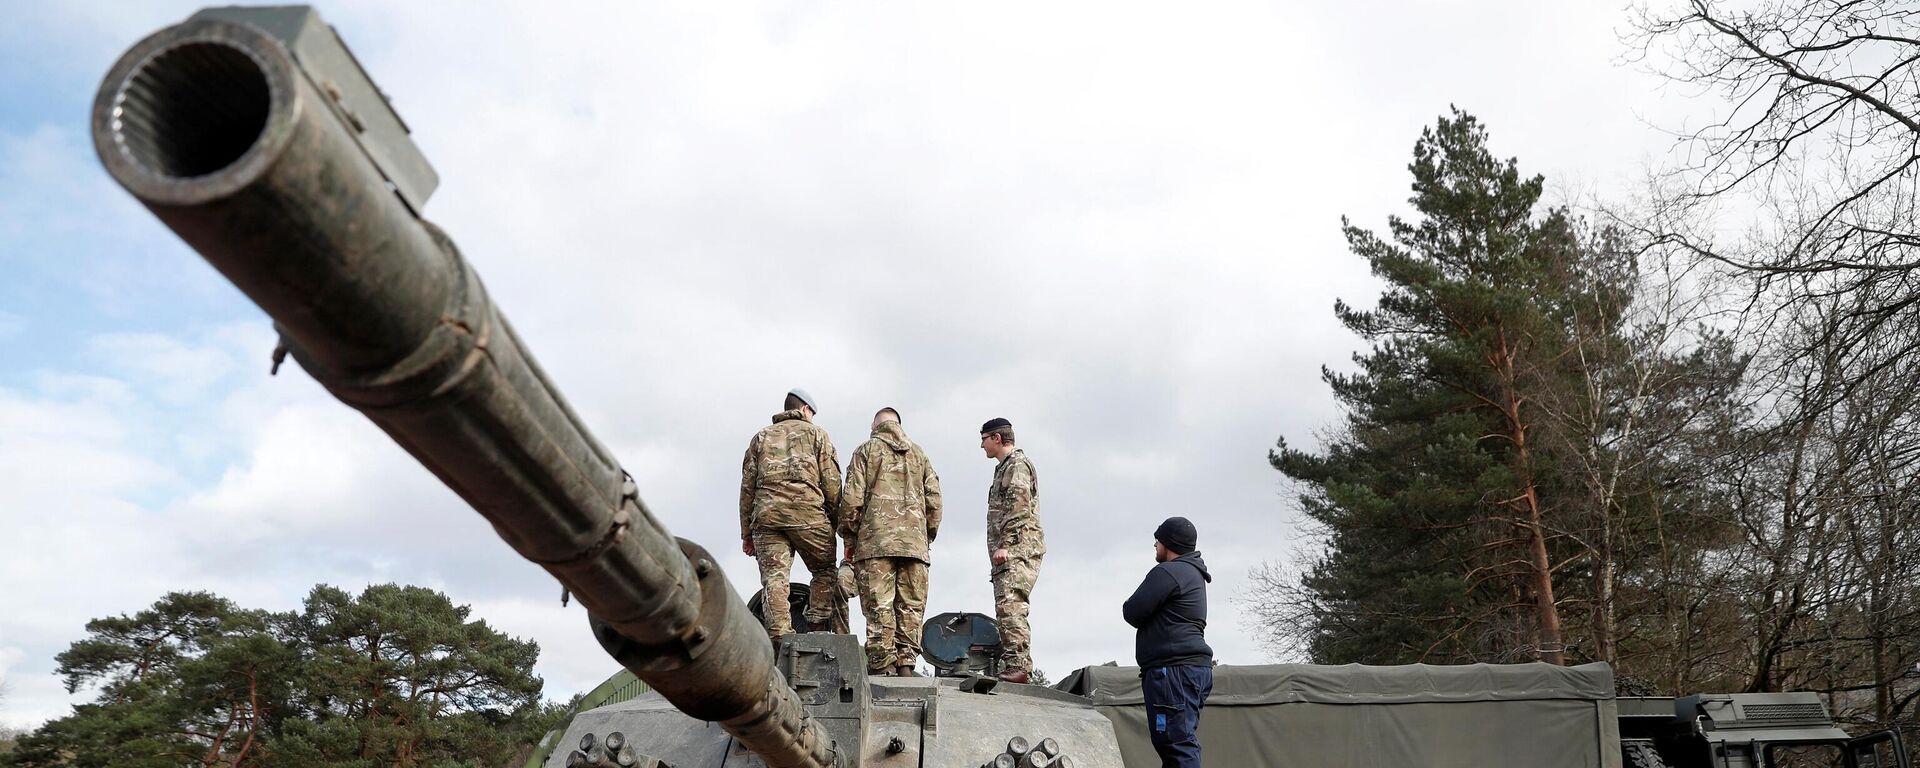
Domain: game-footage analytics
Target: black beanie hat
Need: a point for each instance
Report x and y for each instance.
(1178, 534)
(995, 424)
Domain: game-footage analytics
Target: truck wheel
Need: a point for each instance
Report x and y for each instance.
(1641, 754)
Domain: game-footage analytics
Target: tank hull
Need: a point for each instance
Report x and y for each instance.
(940, 726)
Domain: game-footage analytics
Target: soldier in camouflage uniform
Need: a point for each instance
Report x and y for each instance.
(889, 515)
(789, 486)
(1015, 545)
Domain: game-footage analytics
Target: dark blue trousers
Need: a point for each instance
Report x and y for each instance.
(1174, 698)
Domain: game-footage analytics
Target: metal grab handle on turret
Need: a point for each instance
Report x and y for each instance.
(255, 136)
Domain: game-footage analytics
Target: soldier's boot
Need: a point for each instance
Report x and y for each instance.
(880, 666)
(905, 670)
(1015, 675)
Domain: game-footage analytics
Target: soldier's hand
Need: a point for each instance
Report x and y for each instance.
(746, 545)
(999, 557)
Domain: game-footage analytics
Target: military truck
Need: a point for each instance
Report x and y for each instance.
(1747, 730)
(254, 134)
(1300, 715)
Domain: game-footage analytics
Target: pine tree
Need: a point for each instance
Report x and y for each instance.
(191, 680)
(402, 676)
(397, 676)
(1440, 545)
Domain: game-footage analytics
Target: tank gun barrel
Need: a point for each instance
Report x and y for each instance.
(254, 135)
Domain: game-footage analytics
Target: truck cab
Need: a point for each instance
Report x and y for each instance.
(1746, 730)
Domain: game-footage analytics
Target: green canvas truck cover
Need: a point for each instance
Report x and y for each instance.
(1358, 716)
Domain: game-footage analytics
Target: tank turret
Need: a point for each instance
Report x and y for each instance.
(255, 135)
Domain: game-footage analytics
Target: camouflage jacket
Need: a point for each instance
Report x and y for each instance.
(790, 477)
(1013, 508)
(890, 506)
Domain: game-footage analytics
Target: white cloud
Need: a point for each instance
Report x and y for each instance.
(174, 371)
(74, 545)
(1116, 226)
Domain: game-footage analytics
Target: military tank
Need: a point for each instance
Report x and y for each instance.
(255, 135)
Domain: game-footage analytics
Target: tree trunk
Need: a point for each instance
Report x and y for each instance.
(373, 696)
(1552, 648)
(1603, 586)
(254, 715)
(1547, 613)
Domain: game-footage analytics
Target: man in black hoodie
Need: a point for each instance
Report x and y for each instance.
(1176, 665)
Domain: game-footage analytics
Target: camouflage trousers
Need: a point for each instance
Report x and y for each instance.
(893, 596)
(845, 588)
(1012, 589)
(775, 549)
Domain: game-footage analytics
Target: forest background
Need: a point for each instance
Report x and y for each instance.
(1676, 433)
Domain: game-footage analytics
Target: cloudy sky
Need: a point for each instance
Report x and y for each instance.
(1113, 224)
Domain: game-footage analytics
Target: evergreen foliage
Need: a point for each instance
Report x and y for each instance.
(1495, 458)
(396, 676)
